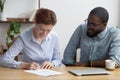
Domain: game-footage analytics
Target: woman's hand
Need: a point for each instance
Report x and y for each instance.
(47, 65)
(31, 66)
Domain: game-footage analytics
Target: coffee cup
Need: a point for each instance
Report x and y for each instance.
(109, 65)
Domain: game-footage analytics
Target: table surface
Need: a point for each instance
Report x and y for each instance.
(19, 74)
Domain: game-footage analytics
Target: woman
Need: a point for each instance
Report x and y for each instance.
(39, 45)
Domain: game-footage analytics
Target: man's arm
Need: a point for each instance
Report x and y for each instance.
(114, 51)
(70, 50)
(97, 63)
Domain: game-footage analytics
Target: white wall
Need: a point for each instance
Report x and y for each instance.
(70, 14)
(20, 8)
(17, 9)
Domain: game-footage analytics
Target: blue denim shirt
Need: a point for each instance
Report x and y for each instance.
(32, 51)
(106, 45)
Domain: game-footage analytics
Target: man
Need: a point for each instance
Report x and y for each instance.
(97, 41)
(39, 45)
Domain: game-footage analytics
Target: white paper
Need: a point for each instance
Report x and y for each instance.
(44, 72)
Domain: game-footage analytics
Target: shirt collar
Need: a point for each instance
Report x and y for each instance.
(103, 33)
(48, 37)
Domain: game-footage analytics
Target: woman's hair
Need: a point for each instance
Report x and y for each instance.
(45, 16)
(100, 12)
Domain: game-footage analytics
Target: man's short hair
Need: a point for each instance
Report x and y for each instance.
(100, 12)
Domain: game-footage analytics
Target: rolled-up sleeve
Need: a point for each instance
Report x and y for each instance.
(7, 60)
(56, 59)
(70, 50)
(115, 48)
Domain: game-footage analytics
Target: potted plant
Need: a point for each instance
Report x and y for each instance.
(2, 15)
(2, 3)
(12, 33)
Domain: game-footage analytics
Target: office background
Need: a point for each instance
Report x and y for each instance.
(70, 13)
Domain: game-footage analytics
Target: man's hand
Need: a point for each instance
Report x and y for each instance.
(81, 64)
(47, 65)
(31, 66)
(77, 64)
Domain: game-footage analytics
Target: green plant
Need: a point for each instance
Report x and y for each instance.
(12, 33)
(2, 3)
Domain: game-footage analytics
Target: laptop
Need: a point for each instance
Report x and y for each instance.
(89, 71)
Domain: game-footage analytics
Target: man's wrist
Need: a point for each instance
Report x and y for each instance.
(70, 64)
(81, 64)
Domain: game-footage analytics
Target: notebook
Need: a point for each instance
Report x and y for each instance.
(89, 71)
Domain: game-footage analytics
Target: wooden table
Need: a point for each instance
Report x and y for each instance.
(19, 74)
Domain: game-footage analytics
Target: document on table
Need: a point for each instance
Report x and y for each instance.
(44, 72)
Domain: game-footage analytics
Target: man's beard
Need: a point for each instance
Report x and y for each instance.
(93, 34)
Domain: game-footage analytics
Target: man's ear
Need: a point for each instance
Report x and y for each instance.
(104, 25)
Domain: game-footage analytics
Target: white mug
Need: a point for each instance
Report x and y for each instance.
(109, 64)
